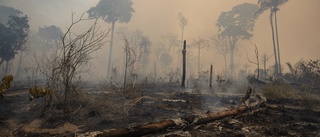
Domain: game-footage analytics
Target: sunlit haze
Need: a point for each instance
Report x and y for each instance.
(298, 25)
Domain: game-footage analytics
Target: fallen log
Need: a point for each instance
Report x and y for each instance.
(179, 123)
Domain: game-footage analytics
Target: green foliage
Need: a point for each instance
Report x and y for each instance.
(112, 10)
(13, 36)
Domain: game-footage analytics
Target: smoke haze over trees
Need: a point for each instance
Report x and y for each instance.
(154, 21)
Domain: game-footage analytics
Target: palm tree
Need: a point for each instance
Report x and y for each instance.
(112, 11)
(273, 5)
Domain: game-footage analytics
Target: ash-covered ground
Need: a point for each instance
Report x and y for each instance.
(95, 111)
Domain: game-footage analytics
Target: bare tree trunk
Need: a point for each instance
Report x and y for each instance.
(274, 43)
(184, 51)
(179, 57)
(225, 66)
(19, 65)
(264, 60)
(198, 61)
(125, 67)
(210, 85)
(110, 50)
(256, 51)
(278, 46)
(7, 67)
(231, 62)
(265, 69)
(155, 70)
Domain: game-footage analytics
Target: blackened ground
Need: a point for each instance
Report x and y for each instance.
(96, 112)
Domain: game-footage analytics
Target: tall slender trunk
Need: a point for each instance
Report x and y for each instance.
(225, 66)
(277, 37)
(1, 61)
(265, 67)
(155, 69)
(273, 42)
(198, 61)
(7, 67)
(19, 65)
(182, 42)
(184, 64)
(232, 42)
(231, 62)
(110, 50)
(211, 68)
(126, 67)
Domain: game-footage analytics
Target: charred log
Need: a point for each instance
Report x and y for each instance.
(179, 123)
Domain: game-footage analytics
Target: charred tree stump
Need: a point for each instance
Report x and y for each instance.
(184, 51)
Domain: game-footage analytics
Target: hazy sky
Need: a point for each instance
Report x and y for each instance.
(298, 24)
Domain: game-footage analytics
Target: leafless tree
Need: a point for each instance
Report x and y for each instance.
(264, 59)
(182, 22)
(222, 47)
(173, 45)
(72, 58)
(200, 44)
(130, 60)
(256, 51)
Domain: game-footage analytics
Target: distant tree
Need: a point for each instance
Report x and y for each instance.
(112, 11)
(157, 52)
(140, 45)
(144, 50)
(257, 62)
(173, 44)
(273, 5)
(264, 59)
(72, 58)
(166, 60)
(13, 36)
(50, 35)
(6, 12)
(235, 25)
(183, 22)
(222, 47)
(200, 44)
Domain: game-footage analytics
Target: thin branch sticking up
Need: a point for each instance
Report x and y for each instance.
(256, 51)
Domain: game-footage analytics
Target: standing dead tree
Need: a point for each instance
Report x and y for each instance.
(200, 44)
(183, 22)
(211, 68)
(184, 52)
(256, 51)
(130, 59)
(72, 58)
(75, 52)
(264, 59)
(223, 49)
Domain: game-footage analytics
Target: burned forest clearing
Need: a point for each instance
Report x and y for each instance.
(161, 111)
(159, 68)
